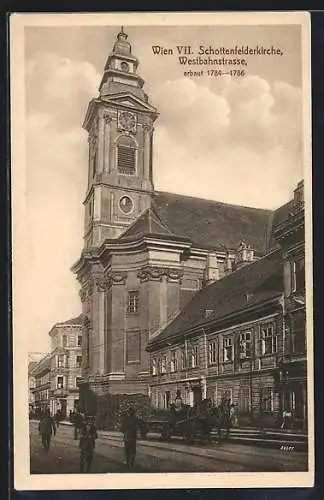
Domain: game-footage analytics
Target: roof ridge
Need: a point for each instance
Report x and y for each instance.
(224, 203)
(133, 223)
(206, 290)
(152, 218)
(69, 321)
(160, 221)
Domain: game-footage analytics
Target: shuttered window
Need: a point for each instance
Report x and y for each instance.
(126, 156)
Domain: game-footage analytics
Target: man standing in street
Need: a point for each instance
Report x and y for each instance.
(78, 423)
(57, 418)
(87, 444)
(46, 429)
(129, 428)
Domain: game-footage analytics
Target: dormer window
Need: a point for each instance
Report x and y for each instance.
(126, 155)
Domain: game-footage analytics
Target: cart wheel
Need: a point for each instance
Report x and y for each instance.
(188, 436)
(165, 433)
(143, 434)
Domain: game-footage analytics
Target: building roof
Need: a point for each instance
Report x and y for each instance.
(77, 321)
(249, 285)
(147, 223)
(43, 365)
(206, 223)
(283, 212)
(31, 366)
(209, 224)
(73, 321)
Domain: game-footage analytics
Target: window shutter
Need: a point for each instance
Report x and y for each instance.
(126, 156)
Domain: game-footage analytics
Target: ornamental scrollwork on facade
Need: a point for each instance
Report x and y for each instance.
(102, 284)
(90, 289)
(107, 118)
(174, 274)
(85, 322)
(157, 273)
(118, 277)
(93, 134)
(83, 295)
(148, 129)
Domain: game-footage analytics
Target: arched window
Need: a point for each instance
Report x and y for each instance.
(126, 155)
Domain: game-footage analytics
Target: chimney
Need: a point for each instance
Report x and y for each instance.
(228, 264)
(244, 255)
(211, 270)
(208, 313)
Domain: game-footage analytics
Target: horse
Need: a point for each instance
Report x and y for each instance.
(222, 419)
(200, 421)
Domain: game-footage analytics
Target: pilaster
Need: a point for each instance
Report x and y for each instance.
(148, 134)
(107, 141)
(163, 294)
(101, 145)
(116, 282)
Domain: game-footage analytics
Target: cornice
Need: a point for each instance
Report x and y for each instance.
(112, 101)
(102, 179)
(289, 226)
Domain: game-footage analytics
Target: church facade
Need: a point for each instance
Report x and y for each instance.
(146, 253)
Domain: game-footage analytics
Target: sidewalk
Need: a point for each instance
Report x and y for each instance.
(287, 440)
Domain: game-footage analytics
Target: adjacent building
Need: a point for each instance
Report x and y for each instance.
(290, 234)
(54, 380)
(176, 291)
(31, 385)
(66, 360)
(243, 337)
(40, 384)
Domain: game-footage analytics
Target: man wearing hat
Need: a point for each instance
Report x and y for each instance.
(87, 444)
(129, 428)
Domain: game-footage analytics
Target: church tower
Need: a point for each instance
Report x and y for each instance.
(120, 127)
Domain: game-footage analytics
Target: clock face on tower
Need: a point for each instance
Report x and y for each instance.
(127, 121)
(124, 66)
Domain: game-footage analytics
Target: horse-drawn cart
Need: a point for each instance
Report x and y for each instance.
(188, 422)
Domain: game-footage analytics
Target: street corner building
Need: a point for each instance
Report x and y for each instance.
(181, 293)
(54, 379)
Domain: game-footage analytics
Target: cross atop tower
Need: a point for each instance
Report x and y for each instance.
(122, 35)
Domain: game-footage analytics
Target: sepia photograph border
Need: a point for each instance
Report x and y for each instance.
(23, 480)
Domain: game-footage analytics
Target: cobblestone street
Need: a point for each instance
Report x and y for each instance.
(157, 456)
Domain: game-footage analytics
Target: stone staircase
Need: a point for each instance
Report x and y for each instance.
(284, 440)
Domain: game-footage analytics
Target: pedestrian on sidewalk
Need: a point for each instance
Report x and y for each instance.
(129, 428)
(46, 429)
(87, 445)
(57, 418)
(233, 416)
(78, 421)
(286, 419)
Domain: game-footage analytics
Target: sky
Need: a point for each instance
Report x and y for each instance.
(238, 141)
